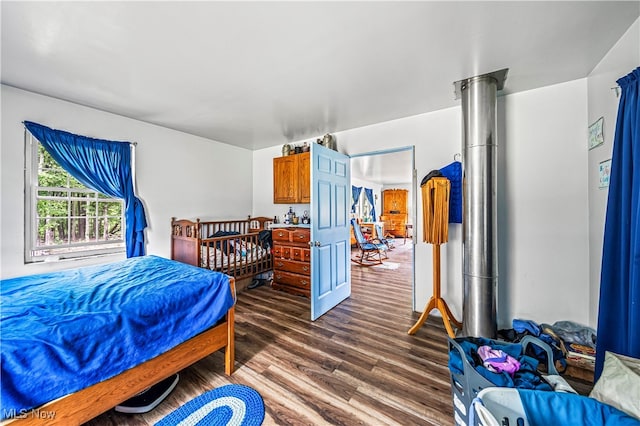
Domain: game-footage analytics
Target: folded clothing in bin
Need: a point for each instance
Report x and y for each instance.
(526, 377)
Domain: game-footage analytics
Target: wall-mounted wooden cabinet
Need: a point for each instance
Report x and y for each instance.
(304, 187)
(291, 179)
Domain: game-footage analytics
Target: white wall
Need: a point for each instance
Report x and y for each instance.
(539, 130)
(623, 58)
(177, 174)
(542, 196)
(543, 205)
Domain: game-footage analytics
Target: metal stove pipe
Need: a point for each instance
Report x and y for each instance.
(479, 229)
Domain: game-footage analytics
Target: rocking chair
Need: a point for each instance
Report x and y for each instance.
(383, 239)
(371, 251)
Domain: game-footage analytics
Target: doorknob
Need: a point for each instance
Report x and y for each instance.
(318, 244)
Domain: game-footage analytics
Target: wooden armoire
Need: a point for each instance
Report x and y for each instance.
(394, 211)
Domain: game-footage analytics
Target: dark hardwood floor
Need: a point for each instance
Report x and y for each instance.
(354, 365)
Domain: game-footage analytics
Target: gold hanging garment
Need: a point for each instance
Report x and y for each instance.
(435, 213)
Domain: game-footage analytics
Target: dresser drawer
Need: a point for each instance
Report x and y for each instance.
(280, 235)
(296, 280)
(292, 266)
(301, 254)
(300, 236)
(284, 252)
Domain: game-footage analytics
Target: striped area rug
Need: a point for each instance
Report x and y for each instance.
(232, 405)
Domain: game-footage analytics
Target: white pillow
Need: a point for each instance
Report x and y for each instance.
(619, 383)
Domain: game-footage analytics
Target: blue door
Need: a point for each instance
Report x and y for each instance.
(330, 245)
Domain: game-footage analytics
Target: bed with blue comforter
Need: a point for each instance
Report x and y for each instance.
(66, 331)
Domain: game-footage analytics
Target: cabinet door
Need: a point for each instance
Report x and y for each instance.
(395, 201)
(401, 197)
(389, 200)
(304, 178)
(285, 179)
(396, 206)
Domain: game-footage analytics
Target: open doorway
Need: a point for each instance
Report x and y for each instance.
(384, 184)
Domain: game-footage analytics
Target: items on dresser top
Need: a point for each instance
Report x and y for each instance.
(284, 225)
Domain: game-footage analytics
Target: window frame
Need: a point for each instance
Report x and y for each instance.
(31, 192)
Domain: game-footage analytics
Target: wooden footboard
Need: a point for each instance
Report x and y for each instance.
(185, 241)
(208, 244)
(82, 406)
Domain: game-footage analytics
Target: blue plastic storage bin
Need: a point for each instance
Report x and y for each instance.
(466, 386)
(524, 407)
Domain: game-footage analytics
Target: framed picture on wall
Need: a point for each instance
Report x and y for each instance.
(604, 172)
(596, 137)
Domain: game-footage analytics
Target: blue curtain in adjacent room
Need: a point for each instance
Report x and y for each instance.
(619, 309)
(355, 195)
(104, 166)
(369, 193)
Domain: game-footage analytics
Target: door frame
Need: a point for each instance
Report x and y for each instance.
(414, 207)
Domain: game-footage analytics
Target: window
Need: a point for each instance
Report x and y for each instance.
(363, 207)
(64, 218)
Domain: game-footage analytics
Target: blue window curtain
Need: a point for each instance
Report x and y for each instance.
(369, 193)
(103, 166)
(619, 308)
(355, 195)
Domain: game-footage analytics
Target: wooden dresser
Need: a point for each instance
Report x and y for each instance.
(394, 210)
(292, 260)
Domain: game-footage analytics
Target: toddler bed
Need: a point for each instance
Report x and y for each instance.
(78, 342)
(238, 248)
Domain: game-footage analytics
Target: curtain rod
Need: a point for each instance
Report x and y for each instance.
(90, 137)
(617, 90)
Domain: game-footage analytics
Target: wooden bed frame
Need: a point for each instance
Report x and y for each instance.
(190, 243)
(82, 406)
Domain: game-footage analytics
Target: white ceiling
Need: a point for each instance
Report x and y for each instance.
(390, 168)
(259, 74)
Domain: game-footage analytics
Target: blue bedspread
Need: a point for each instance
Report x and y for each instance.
(67, 330)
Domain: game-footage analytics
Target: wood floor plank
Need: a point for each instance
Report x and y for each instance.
(354, 365)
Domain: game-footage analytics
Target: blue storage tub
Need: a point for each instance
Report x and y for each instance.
(465, 386)
(523, 407)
